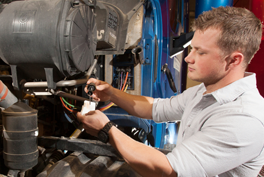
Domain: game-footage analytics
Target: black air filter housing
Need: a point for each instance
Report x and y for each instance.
(47, 39)
(20, 133)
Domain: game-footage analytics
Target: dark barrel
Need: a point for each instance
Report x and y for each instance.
(20, 136)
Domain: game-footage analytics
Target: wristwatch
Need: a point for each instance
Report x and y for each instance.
(103, 133)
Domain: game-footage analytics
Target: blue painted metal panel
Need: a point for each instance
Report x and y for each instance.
(151, 41)
(152, 28)
(150, 85)
(161, 88)
(205, 5)
(155, 43)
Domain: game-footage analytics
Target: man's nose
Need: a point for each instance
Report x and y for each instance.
(189, 58)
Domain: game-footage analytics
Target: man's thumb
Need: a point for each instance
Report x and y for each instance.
(100, 87)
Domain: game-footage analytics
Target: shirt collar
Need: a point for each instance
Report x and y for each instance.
(234, 90)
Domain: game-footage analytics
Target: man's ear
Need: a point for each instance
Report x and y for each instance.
(236, 59)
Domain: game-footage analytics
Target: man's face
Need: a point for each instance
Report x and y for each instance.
(205, 62)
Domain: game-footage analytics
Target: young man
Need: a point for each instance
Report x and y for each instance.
(221, 130)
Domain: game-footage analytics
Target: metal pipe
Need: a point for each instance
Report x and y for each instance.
(89, 72)
(35, 84)
(67, 95)
(69, 83)
(64, 83)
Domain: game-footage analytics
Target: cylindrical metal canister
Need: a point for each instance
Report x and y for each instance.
(20, 136)
(6, 97)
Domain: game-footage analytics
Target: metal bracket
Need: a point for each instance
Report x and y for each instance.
(91, 3)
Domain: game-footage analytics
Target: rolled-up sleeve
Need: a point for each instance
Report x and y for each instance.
(220, 146)
(171, 109)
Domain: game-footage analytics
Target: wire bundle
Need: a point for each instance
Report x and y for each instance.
(124, 88)
(63, 101)
(110, 104)
(71, 107)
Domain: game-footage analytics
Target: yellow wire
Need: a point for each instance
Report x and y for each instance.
(113, 103)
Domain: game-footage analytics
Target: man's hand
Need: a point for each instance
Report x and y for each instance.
(136, 105)
(93, 121)
(103, 90)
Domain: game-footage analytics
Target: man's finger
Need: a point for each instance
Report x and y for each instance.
(79, 116)
(93, 80)
(95, 98)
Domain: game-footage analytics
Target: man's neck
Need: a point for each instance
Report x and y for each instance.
(228, 79)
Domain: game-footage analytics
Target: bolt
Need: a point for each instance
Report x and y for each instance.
(147, 46)
(147, 60)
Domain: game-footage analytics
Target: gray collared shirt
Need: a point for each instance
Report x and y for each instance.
(221, 133)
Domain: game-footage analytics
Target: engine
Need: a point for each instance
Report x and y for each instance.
(51, 40)
(48, 51)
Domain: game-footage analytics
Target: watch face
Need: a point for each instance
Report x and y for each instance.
(102, 136)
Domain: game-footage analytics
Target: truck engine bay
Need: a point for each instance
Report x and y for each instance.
(48, 50)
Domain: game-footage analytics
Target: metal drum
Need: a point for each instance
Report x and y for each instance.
(20, 136)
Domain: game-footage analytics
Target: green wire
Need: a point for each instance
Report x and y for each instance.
(67, 102)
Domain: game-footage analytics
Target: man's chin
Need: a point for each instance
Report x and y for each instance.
(193, 78)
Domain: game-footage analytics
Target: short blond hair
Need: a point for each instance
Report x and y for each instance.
(241, 29)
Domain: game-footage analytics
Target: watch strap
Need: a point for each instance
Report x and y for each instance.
(108, 126)
(103, 133)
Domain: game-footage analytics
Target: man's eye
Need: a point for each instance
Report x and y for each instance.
(201, 53)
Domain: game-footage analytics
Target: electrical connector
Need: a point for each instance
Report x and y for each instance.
(87, 107)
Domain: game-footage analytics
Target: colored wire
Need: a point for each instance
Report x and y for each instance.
(121, 81)
(68, 118)
(125, 82)
(110, 104)
(126, 88)
(107, 106)
(67, 103)
(63, 101)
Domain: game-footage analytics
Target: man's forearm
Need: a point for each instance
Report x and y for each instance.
(139, 106)
(146, 160)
